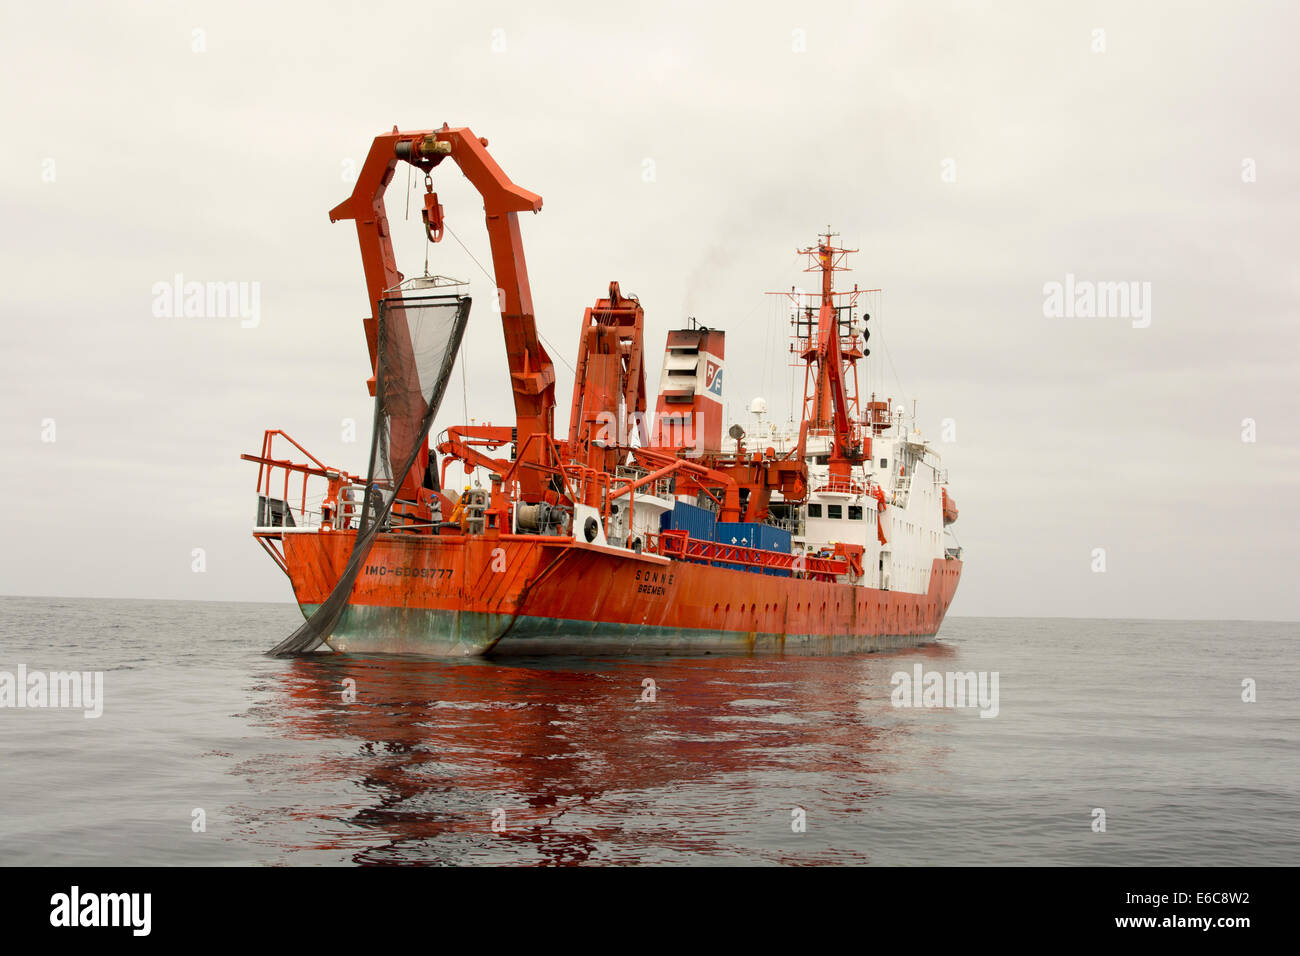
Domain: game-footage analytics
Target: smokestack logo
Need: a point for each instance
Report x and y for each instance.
(713, 378)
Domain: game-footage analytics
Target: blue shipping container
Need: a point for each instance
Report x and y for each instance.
(750, 534)
(697, 522)
(754, 535)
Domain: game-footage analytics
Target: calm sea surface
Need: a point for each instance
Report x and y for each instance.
(1141, 719)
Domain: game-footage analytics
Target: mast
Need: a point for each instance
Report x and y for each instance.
(828, 344)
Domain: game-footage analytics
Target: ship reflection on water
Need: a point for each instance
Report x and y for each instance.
(569, 761)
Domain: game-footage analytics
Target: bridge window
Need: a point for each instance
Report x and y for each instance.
(855, 512)
(835, 512)
(814, 511)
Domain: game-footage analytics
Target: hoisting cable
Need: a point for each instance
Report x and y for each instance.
(492, 279)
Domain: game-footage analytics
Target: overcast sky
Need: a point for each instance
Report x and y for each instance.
(972, 152)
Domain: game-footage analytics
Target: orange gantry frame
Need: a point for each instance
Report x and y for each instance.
(532, 374)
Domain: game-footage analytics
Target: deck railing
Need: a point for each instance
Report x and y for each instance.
(682, 547)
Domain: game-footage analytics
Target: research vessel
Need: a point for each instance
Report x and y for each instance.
(640, 530)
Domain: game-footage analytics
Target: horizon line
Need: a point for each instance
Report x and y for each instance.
(1008, 617)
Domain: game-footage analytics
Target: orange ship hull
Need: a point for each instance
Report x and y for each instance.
(528, 594)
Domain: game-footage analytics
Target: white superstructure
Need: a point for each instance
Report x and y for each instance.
(910, 477)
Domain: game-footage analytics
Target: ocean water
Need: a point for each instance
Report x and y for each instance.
(736, 760)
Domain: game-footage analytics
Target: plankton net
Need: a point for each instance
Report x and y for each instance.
(417, 341)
